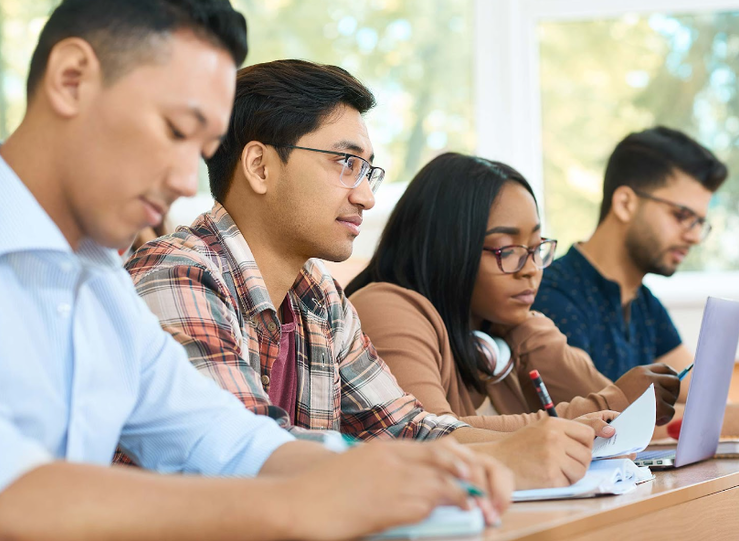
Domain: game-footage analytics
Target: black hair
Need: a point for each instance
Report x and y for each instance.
(279, 102)
(645, 160)
(433, 242)
(121, 31)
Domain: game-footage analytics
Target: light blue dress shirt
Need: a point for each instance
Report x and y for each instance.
(85, 365)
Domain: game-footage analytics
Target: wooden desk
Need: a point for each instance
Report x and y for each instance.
(696, 502)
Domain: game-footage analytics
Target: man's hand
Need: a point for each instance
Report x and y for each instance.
(549, 453)
(666, 386)
(379, 485)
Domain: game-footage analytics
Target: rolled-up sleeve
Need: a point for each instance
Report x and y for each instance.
(19, 453)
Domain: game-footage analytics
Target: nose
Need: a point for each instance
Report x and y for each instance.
(529, 268)
(182, 180)
(362, 195)
(693, 235)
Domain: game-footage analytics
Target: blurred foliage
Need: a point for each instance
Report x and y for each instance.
(602, 79)
(20, 24)
(415, 55)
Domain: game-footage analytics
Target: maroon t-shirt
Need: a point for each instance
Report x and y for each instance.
(283, 388)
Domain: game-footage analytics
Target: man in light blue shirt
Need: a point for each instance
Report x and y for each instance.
(123, 98)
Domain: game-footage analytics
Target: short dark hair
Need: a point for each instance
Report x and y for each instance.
(645, 160)
(278, 103)
(433, 242)
(121, 31)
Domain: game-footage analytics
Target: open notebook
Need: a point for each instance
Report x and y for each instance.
(614, 476)
(634, 428)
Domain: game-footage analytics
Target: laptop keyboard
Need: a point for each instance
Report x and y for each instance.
(653, 455)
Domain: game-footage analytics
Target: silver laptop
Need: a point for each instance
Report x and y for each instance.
(709, 389)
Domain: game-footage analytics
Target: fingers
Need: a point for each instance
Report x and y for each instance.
(599, 426)
(661, 368)
(445, 455)
(573, 470)
(665, 412)
(454, 493)
(669, 383)
(501, 483)
(598, 421)
(581, 433)
(605, 415)
(488, 475)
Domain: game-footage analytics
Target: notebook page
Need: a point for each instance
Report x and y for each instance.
(634, 428)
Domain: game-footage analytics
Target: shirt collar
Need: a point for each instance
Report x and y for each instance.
(588, 270)
(26, 226)
(249, 280)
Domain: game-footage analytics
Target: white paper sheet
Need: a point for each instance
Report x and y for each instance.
(634, 428)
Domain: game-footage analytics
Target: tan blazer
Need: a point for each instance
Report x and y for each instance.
(411, 338)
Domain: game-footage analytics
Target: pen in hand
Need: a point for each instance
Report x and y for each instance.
(685, 371)
(472, 490)
(541, 390)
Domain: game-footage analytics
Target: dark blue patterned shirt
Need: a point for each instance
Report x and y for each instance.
(587, 309)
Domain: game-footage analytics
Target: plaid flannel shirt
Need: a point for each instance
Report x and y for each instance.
(204, 285)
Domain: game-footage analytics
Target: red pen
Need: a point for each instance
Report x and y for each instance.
(541, 390)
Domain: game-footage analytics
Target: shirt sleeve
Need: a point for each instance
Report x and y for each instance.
(183, 422)
(570, 319)
(572, 380)
(19, 453)
(667, 335)
(197, 310)
(372, 402)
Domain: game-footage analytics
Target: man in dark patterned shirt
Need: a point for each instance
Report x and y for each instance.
(657, 189)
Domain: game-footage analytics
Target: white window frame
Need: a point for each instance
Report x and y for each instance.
(508, 101)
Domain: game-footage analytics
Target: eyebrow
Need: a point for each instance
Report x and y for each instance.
(200, 117)
(505, 230)
(354, 147)
(198, 114)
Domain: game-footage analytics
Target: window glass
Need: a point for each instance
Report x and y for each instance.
(602, 79)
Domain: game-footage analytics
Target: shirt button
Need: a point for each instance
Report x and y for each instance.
(64, 309)
(271, 326)
(265, 380)
(66, 266)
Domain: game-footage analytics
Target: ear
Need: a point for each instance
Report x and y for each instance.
(254, 166)
(71, 71)
(624, 204)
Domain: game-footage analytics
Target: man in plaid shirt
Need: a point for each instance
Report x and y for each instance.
(291, 181)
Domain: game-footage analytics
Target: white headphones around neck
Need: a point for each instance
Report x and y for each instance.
(497, 354)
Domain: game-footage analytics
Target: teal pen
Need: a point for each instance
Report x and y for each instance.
(349, 440)
(685, 371)
(471, 489)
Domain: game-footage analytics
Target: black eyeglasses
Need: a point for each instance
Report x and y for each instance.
(354, 168)
(512, 259)
(686, 217)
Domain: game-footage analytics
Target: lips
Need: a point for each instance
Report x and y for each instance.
(678, 254)
(352, 223)
(154, 211)
(525, 297)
